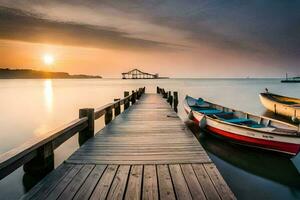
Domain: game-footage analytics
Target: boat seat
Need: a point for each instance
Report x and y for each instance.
(204, 105)
(199, 109)
(257, 126)
(238, 120)
(210, 111)
(247, 122)
(224, 115)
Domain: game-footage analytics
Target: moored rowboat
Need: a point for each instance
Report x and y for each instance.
(282, 105)
(244, 128)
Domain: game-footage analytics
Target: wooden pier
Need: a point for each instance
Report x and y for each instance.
(146, 152)
(138, 74)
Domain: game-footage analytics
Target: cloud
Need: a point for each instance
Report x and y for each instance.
(266, 29)
(16, 24)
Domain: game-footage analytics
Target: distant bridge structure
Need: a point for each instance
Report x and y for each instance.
(138, 74)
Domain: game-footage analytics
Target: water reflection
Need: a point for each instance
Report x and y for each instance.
(48, 95)
(45, 97)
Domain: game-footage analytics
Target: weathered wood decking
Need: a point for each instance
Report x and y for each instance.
(145, 153)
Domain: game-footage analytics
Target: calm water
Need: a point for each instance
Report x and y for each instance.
(30, 108)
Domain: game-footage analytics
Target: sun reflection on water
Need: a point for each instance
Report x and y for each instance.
(48, 94)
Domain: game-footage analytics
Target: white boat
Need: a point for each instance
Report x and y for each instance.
(287, 106)
(243, 127)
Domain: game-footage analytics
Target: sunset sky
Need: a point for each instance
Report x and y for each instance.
(196, 38)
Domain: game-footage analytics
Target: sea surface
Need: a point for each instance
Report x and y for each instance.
(30, 108)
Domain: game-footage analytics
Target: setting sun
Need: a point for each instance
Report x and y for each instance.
(48, 59)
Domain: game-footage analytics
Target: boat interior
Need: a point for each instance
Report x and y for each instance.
(238, 117)
(282, 99)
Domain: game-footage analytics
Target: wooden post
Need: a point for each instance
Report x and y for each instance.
(117, 108)
(169, 97)
(43, 163)
(126, 103)
(133, 97)
(165, 94)
(171, 100)
(108, 115)
(138, 94)
(89, 131)
(141, 93)
(175, 101)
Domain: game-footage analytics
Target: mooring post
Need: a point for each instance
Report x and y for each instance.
(169, 97)
(88, 132)
(126, 103)
(144, 90)
(139, 92)
(117, 107)
(133, 97)
(171, 100)
(136, 94)
(175, 101)
(165, 94)
(43, 163)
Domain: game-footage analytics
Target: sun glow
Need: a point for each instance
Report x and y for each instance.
(48, 94)
(48, 59)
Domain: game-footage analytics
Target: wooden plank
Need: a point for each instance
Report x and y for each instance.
(178, 158)
(47, 184)
(115, 144)
(76, 183)
(137, 156)
(136, 162)
(97, 153)
(101, 190)
(118, 186)
(90, 183)
(192, 182)
(205, 182)
(218, 181)
(150, 186)
(169, 133)
(64, 182)
(141, 148)
(149, 154)
(180, 186)
(165, 183)
(134, 185)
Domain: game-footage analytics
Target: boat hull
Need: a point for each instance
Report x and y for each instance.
(279, 108)
(290, 81)
(246, 137)
(282, 147)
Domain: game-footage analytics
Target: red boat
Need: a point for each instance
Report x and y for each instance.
(244, 128)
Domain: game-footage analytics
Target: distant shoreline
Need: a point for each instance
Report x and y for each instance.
(6, 73)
